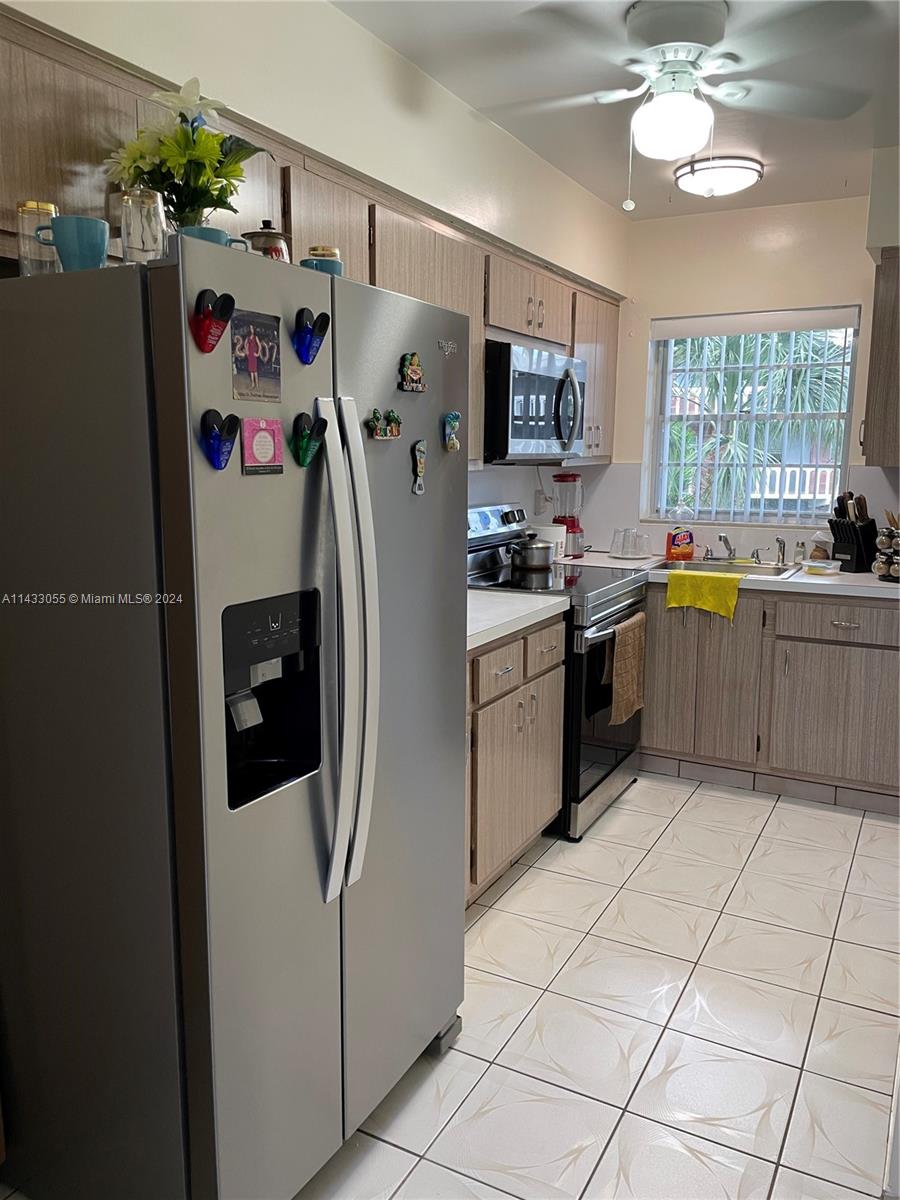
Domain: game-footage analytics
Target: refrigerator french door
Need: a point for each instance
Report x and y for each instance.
(232, 823)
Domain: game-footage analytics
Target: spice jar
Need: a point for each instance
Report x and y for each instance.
(883, 564)
(885, 538)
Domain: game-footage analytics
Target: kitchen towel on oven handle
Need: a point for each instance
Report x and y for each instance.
(628, 669)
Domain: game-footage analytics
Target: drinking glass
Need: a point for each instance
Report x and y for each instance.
(630, 543)
(643, 544)
(616, 546)
(143, 225)
(34, 257)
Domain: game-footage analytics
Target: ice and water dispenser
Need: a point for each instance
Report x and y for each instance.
(273, 717)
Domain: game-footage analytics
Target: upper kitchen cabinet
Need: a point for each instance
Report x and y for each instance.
(880, 433)
(66, 123)
(323, 213)
(595, 340)
(404, 254)
(460, 275)
(527, 301)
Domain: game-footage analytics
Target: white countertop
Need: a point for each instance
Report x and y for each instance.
(493, 615)
(861, 585)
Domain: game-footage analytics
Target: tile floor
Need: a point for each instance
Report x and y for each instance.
(699, 1000)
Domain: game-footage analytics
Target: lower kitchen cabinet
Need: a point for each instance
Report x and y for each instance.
(728, 666)
(834, 712)
(670, 676)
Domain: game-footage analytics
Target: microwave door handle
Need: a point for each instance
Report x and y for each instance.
(365, 528)
(350, 641)
(577, 411)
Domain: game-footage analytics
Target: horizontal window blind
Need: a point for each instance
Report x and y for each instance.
(796, 320)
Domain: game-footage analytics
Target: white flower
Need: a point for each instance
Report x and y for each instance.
(189, 102)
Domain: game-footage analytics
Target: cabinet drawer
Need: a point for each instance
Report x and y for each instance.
(848, 623)
(544, 649)
(498, 671)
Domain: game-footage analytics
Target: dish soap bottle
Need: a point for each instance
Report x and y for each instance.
(680, 540)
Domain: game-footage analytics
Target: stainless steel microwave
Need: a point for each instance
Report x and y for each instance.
(534, 405)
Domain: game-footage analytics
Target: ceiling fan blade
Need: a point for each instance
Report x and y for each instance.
(527, 108)
(796, 33)
(787, 99)
(615, 95)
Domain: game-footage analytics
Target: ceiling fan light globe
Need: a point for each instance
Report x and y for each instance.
(722, 176)
(671, 125)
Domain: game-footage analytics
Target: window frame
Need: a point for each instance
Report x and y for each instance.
(657, 351)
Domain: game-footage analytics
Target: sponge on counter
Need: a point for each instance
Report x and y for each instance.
(715, 593)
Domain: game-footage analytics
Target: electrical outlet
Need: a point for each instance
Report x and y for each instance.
(540, 502)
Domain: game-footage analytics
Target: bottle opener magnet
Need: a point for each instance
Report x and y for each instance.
(210, 318)
(309, 333)
(451, 429)
(218, 435)
(384, 427)
(420, 452)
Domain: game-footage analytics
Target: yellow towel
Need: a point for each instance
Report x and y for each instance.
(713, 593)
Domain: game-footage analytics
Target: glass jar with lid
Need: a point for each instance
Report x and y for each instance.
(35, 258)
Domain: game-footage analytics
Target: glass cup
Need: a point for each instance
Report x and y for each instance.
(143, 225)
(616, 546)
(34, 257)
(643, 544)
(630, 543)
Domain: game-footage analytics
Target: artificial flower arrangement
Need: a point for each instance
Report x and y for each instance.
(194, 169)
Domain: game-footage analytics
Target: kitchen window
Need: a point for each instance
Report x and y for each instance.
(751, 415)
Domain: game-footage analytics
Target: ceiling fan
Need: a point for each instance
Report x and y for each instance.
(679, 46)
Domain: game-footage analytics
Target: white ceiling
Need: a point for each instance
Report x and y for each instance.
(499, 55)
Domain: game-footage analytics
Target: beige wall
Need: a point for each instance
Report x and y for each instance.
(786, 256)
(309, 71)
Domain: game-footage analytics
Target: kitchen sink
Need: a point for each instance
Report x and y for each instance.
(737, 567)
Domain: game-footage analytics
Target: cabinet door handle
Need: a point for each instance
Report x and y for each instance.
(787, 662)
(506, 670)
(845, 624)
(540, 314)
(550, 649)
(684, 617)
(520, 709)
(862, 431)
(533, 716)
(529, 312)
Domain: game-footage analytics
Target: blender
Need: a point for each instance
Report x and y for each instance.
(568, 501)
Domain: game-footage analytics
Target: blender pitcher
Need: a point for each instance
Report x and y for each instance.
(568, 502)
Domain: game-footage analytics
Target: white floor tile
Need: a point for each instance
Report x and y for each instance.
(779, 902)
(656, 924)
(880, 840)
(737, 793)
(863, 976)
(518, 948)
(756, 1017)
(431, 1182)
(678, 879)
(422, 1103)
(705, 843)
(660, 799)
(526, 1137)
(579, 1046)
(723, 812)
(718, 1093)
(812, 824)
(473, 912)
(855, 1045)
(363, 1169)
(870, 922)
(533, 853)
(640, 983)
(791, 1185)
(503, 884)
(767, 952)
(629, 826)
(646, 1161)
(811, 865)
(839, 1132)
(492, 1009)
(874, 877)
(557, 899)
(591, 858)
(670, 782)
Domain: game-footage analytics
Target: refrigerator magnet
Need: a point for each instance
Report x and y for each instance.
(451, 423)
(384, 427)
(261, 446)
(210, 318)
(309, 333)
(419, 453)
(412, 374)
(255, 357)
(218, 435)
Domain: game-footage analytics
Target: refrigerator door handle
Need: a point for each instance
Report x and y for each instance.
(350, 642)
(365, 530)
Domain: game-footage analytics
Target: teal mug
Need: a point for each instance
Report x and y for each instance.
(328, 266)
(82, 243)
(206, 233)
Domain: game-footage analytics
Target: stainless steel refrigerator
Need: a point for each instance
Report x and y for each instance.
(232, 728)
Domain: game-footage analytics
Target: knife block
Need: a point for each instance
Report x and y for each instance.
(854, 544)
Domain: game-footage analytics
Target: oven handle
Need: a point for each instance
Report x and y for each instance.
(603, 632)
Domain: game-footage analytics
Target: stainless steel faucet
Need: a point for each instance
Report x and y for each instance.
(779, 542)
(729, 549)
(754, 554)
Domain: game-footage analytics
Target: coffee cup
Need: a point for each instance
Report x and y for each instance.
(208, 233)
(82, 243)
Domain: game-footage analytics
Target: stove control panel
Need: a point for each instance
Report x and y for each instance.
(489, 522)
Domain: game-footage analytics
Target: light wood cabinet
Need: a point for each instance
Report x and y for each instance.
(881, 431)
(596, 336)
(527, 301)
(498, 671)
(728, 670)
(499, 773)
(405, 254)
(670, 676)
(541, 795)
(460, 276)
(834, 712)
(323, 213)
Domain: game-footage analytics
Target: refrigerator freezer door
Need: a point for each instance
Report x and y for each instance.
(403, 916)
(274, 943)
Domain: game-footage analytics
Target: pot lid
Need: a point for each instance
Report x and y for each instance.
(268, 228)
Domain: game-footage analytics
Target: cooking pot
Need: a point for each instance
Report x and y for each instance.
(532, 555)
(269, 242)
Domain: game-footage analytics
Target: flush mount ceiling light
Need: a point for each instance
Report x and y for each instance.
(675, 122)
(718, 176)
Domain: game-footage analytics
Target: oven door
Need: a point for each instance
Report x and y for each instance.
(546, 405)
(598, 753)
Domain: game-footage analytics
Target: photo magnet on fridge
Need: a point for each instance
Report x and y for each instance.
(262, 447)
(255, 357)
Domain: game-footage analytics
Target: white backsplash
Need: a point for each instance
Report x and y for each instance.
(612, 499)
